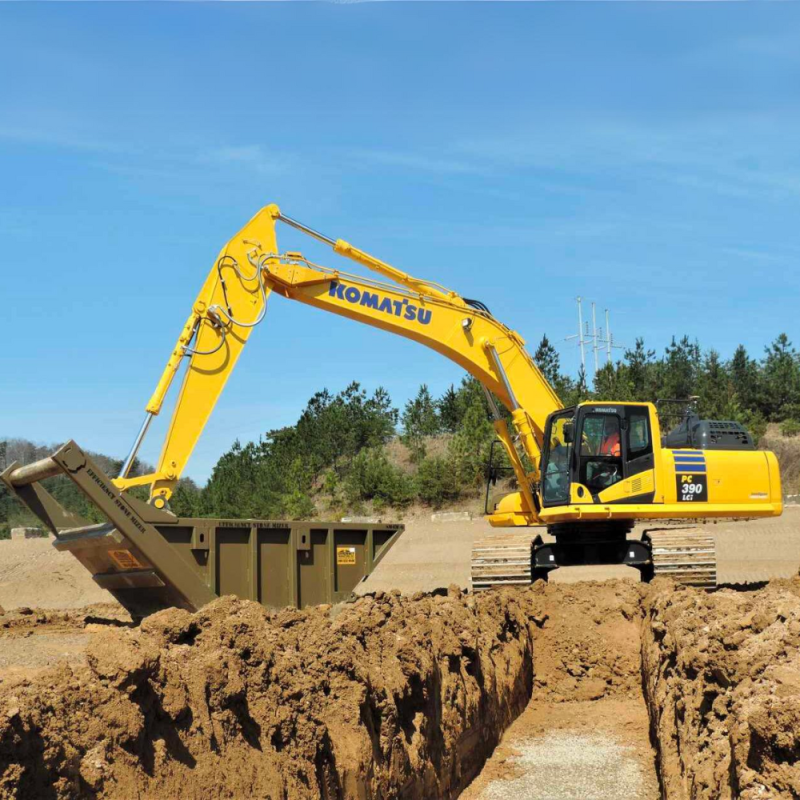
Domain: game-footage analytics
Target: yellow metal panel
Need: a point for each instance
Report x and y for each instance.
(658, 511)
(639, 484)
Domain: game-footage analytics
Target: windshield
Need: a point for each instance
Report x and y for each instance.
(558, 458)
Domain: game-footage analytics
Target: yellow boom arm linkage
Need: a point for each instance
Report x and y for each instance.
(233, 300)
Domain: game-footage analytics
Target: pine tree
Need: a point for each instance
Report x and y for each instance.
(641, 372)
(781, 380)
(746, 380)
(547, 359)
(613, 382)
(469, 448)
(680, 369)
(449, 412)
(577, 391)
(714, 388)
(420, 420)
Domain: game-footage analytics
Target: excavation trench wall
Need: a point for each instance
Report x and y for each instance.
(406, 697)
(390, 697)
(721, 676)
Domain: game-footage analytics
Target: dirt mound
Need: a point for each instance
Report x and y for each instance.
(397, 696)
(586, 639)
(393, 697)
(722, 682)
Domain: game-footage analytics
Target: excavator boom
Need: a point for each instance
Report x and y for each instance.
(233, 301)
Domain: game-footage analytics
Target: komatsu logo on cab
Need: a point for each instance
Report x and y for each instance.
(397, 308)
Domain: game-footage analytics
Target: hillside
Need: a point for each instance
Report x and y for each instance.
(787, 450)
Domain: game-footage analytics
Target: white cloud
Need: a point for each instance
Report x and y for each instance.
(254, 157)
(419, 162)
(59, 134)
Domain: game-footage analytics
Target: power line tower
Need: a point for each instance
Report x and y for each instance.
(580, 336)
(594, 337)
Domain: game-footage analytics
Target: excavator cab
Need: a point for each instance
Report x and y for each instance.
(590, 449)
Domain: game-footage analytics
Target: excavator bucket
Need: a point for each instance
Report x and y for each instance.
(149, 559)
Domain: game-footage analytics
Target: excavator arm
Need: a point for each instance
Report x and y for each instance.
(233, 301)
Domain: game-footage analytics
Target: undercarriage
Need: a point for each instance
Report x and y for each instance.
(522, 556)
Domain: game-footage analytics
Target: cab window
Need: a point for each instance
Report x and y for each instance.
(600, 435)
(558, 458)
(639, 442)
(600, 451)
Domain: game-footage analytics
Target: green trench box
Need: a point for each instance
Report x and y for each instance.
(149, 559)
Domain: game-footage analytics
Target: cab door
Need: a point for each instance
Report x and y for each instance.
(615, 458)
(600, 449)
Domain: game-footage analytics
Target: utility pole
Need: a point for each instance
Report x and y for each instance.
(594, 339)
(608, 339)
(580, 333)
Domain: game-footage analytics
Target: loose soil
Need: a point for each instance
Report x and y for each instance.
(523, 693)
(407, 697)
(392, 696)
(722, 683)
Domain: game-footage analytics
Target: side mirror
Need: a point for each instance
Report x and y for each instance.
(569, 433)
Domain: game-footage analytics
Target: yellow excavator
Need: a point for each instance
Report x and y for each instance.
(586, 474)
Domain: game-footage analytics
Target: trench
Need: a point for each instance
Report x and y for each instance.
(703, 699)
(589, 690)
(585, 732)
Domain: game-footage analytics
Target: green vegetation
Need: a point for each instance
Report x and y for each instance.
(13, 514)
(790, 428)
(342, 455)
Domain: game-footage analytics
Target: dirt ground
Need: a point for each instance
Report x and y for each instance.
(431, 554)
(390, 696)
(34, 574)
(407, 695)
(428, 556)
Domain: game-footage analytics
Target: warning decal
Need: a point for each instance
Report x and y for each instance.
(345, 555)
(124, 559)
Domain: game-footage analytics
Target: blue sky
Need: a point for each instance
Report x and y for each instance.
(646, 156)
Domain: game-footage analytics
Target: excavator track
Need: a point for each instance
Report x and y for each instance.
(502, 559)
(688, 557)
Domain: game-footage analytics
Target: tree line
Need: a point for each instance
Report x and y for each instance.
(337, 455)
(343, 452)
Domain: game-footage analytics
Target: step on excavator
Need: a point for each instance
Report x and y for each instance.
(583, 475)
